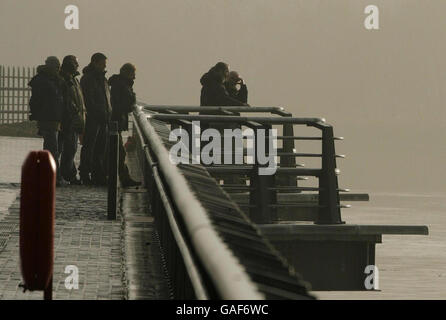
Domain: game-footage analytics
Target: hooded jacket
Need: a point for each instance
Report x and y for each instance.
(214, 93)
(123, 100)
(46, 102)
(74, 114)
(96, 94)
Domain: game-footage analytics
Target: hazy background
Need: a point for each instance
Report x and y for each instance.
(384, 90)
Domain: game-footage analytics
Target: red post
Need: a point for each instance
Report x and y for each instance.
(37, 212)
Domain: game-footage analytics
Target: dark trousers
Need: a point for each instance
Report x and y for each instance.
(93, 152)
(50, 143)
(68, 148)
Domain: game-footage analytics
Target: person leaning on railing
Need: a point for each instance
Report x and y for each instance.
(213, 91)
(123, 100)
(231, 83)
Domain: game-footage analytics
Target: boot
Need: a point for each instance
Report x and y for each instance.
(75, 181)
(61, 182)
(86, 180)
(99, 181)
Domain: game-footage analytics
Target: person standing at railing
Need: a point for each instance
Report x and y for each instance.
(97, 102)
(234, 80)
(123, 100)
(73, 121)
(46, 106)
(213, 91)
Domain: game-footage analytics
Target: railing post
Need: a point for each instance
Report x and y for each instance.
(113, 171)
(262, 196)
(329, 206)
(288, 161)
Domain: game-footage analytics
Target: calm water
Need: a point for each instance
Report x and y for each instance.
(411, 267)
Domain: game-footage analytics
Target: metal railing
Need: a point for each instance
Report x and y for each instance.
(263, 189)
(203, 260)
(330, 254)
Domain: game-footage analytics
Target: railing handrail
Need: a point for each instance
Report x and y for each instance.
(241, 119)
(230, 278)
(160, 108)
(329, 212)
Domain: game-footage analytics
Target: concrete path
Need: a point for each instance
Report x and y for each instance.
(84, 238)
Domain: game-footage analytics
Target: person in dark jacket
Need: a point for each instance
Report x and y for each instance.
(231, 84)
(97, 102)
(213, 91)
(123, 100)
(46, 106)
(73, 121)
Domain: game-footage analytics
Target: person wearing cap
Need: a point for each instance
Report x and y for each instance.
(73, 120)
(97, 102)
(123, 100)
(47, 106)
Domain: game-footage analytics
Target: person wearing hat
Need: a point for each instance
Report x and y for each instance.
(47, 106)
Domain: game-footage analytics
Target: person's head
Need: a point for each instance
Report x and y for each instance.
(99, 61)
(70, 64)
(53, 64)
(233, 78)
(128, 71)
(222, 69)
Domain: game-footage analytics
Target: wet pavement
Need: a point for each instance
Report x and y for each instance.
(115, 259)
(84, 238)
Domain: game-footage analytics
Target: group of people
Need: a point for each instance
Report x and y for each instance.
(68, 110)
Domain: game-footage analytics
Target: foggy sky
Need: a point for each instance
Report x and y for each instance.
(383, 90)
